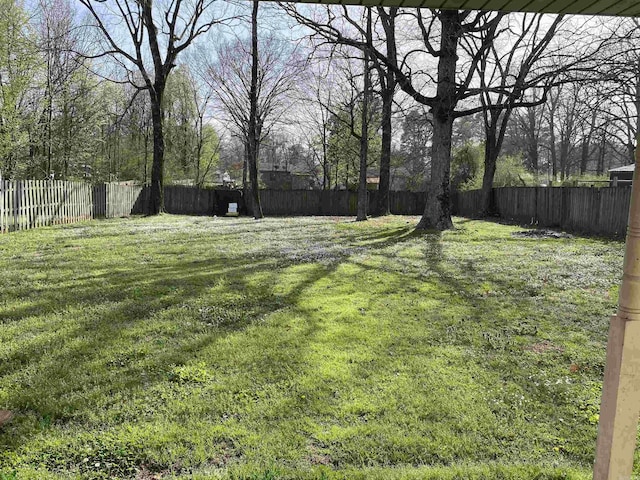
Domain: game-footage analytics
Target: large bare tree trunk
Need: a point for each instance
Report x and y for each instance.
(490, 161)
(437, 213)
(254, 138)
(388, 81)
(364, 135)
(163, 38)
(495, 130)
(157, 169)
(385, 156)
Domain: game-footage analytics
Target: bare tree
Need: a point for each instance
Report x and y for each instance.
(364, 125)
(388, 86)
(506, 76)
(565, 110)
(229, 75)
(452, 85)
(58, 43)
(619, 68)
(526, 136)
(134, 31)
(254, 130)
(202, 94)
(316, 100)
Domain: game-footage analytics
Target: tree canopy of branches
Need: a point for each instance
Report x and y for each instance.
(146, 39)
(229, 74)
(506, 77)
(452, 84)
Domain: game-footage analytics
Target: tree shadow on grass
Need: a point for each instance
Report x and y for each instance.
(111, 333)
(501, 326)
(85, 342)
(144, 329)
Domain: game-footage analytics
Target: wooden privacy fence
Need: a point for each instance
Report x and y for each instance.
(26, 204)
(195, 201)
(113, 201)
(602, 211)
(335, 202)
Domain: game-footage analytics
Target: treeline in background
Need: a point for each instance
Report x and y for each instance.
(70, 111)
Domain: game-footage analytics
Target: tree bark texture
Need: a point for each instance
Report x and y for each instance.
(384, 186)
(156, 92)
(157, 168)
(437, 213)
(388, 81)
(364, 135)
(494, 138)
(490, 160)
(254, 138)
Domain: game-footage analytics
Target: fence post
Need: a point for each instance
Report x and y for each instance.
(2, 203)
(16, 205)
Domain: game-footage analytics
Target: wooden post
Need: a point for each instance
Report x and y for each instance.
(2, 203)
(620, 406)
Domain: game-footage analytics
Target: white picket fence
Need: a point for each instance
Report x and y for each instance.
(26, 204)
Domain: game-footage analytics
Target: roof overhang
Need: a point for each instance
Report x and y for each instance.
(622, 8)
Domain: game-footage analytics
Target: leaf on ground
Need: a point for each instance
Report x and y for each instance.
(5, 417)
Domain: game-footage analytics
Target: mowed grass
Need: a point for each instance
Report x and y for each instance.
(317, 348)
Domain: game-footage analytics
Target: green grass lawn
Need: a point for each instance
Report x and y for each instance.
(319, 348)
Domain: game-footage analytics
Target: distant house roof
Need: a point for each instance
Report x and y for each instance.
(626, 168)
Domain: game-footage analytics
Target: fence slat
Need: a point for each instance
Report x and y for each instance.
(26, 204)
(601, 211)
(31, 204)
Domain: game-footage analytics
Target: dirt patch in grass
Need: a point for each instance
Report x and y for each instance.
(544, 347)
(317, 455)
(146, 474)
(541, 234)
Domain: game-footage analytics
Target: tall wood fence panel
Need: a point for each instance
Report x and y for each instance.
(308, 202)
(549, 201)
(121, 199)
(26, 204)
(601, 211)
(34, 203)
(189, 200)
(407, 203)
(335, 202)
(466, 203)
